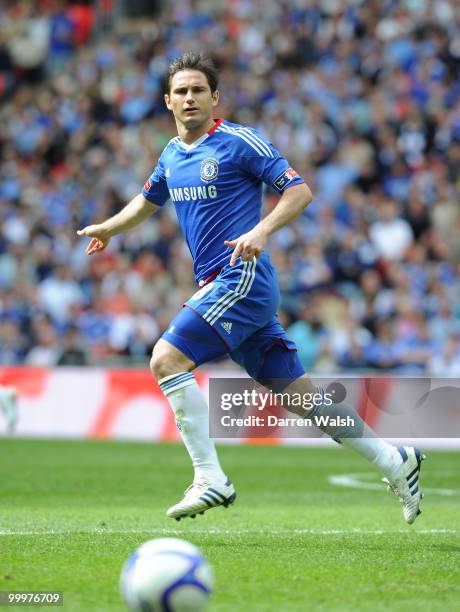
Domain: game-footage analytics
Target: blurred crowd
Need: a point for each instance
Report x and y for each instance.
(362, 97)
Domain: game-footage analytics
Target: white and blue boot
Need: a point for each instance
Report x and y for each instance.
(405, 482)
(201, 496)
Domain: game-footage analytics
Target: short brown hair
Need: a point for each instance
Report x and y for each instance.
(194, 61)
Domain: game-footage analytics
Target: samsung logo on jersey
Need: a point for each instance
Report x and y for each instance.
(204, 192)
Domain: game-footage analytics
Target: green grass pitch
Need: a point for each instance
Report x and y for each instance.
(72, 512)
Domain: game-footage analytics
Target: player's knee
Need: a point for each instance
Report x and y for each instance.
(160, 363)
(166, 361)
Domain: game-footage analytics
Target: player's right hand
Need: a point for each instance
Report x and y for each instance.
(99, 238)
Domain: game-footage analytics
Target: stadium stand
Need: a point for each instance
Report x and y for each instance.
(363, 97)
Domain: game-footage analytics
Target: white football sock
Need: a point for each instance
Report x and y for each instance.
(192, 418)
(360, 437)
(383, 455)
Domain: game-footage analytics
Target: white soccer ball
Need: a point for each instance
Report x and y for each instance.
(166, 575)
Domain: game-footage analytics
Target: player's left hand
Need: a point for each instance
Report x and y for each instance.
(247, 246)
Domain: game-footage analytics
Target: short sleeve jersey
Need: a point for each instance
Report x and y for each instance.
(216, 185)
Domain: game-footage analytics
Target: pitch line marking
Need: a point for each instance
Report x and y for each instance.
(217, 531)
(355, 481)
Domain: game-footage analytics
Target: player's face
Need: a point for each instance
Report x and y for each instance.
(190, 98)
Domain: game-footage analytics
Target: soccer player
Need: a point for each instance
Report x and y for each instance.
(9, 407)
(213, 172)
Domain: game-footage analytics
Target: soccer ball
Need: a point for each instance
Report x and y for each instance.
(167, 575)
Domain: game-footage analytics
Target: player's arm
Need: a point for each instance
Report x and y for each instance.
(131, 215)
(291, 204)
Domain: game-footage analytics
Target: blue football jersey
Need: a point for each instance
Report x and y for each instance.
(216, 187)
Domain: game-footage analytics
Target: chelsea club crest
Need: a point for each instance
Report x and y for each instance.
(209, 169)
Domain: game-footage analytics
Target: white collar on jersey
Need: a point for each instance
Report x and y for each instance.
(194, 144)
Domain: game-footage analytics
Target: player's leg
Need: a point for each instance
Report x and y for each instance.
(400, 465)
(269, 358)
(359, 436)
(173, 371)
(216, 319)
(188, 342)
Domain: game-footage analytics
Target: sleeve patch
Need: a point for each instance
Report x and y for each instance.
(284, 178)
(148, 184)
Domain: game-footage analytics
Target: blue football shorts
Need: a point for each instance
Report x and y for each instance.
(235, 314)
